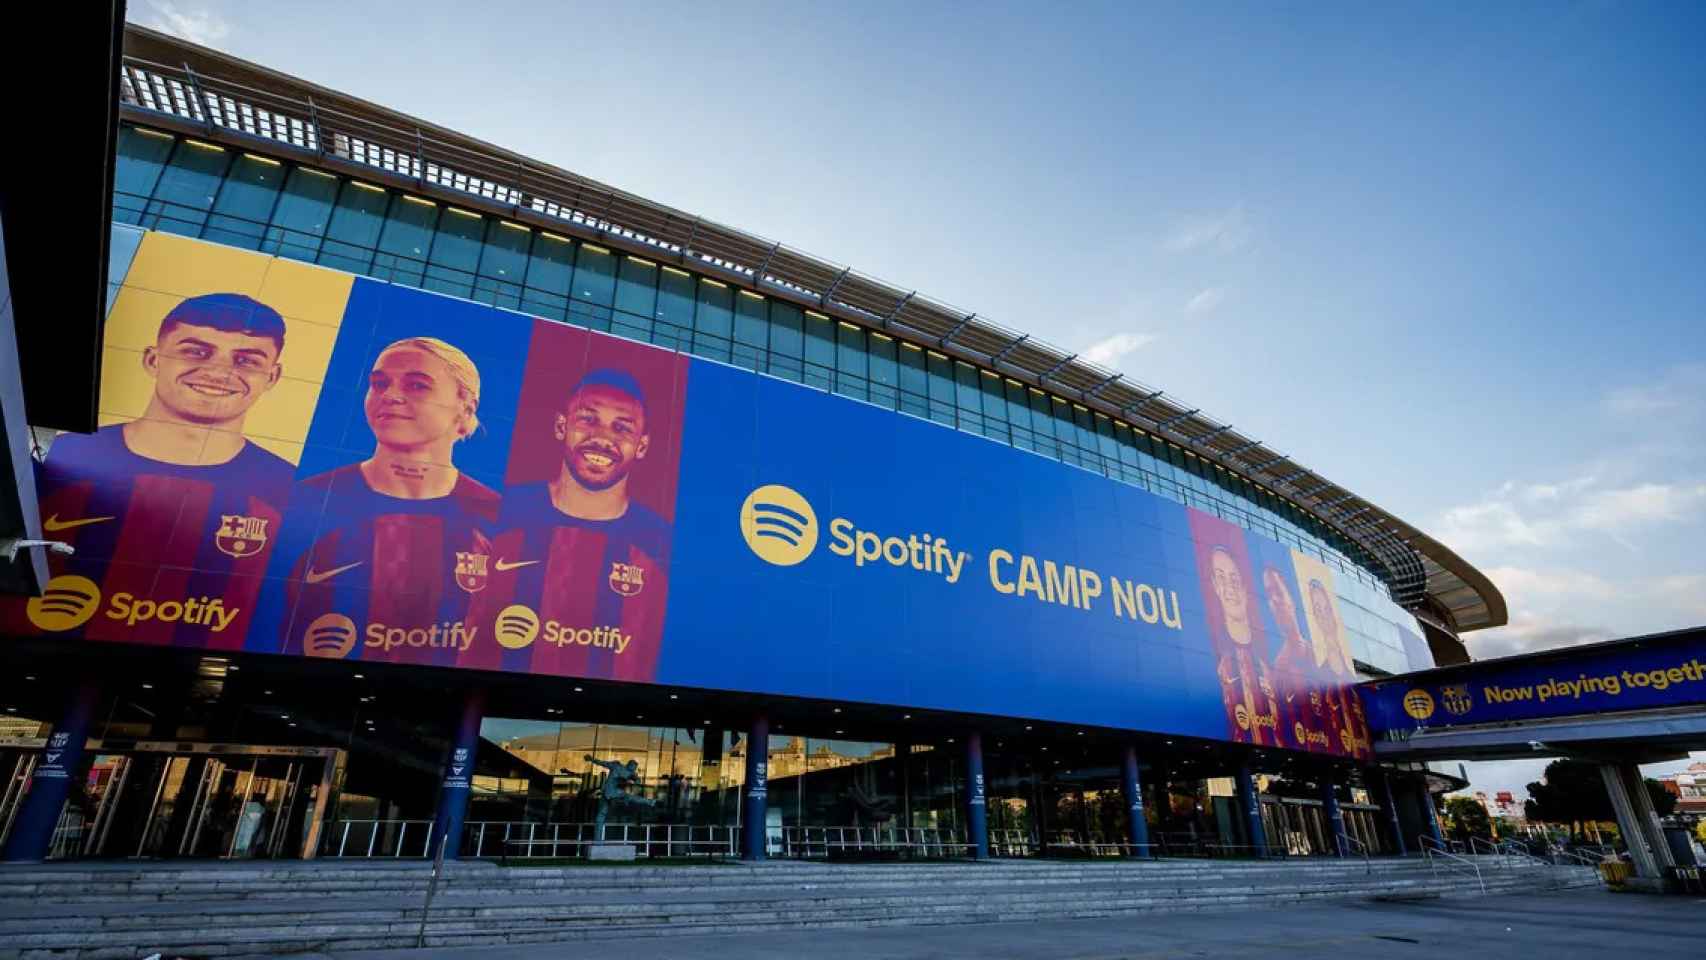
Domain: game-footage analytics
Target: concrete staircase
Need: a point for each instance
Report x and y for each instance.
(231, 910)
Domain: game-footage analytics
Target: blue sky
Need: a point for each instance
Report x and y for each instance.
(1447, 255)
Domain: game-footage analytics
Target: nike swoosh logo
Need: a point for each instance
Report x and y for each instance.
(317, 576)
(503, 564)
(53, 524)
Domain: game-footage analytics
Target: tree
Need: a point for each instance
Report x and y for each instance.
(1468, 818)
(1574, 790)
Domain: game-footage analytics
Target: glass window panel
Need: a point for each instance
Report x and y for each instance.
(713, 322)
(550, 271)
(883, 372)
(405, 240)
(1042, 424)
(595, 275)
(942, 407)
(851, 362)
(914, 381)
(186, 189)
(637, 288)
(675, 307)
(299, 221)
(137, 164)
(967, 397)
(503, 264)
(994, 407)
(1064, 430)
(1019, 415)
(455, 252)
(752, 330)
(245, 202)
(354, 228)
(787, 341)
(820, 351)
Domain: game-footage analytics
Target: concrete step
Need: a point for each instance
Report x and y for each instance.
(673, 906)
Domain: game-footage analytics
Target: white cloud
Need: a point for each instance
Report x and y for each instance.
(1685, 592)
(197, 24)
(1522, 585)
(1109, 350)
(1226, 232)
(1546, 514)
(1681, 389)
(1206, 300)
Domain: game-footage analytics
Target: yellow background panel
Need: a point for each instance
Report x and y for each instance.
(302, 291)
(168, 270)
(190, 268)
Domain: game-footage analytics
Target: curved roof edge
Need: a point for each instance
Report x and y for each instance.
(217, 95)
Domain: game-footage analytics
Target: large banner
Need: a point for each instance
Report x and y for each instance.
(1656, 673)
(296, 462)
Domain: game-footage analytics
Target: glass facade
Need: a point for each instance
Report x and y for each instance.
(181, 185)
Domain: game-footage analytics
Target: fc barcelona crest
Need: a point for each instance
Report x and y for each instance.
(240, 536)
(1456, 699)
(471, 571)
(627, 579)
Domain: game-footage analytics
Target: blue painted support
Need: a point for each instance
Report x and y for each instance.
(32, 832)
(754, 829)
(1433, 813)
(1136, 824)
(1392, 812)
(977, 814)
(1252, 805)
(458, 771)
(1335, 817)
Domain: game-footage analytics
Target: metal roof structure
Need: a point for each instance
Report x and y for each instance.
(167, 81)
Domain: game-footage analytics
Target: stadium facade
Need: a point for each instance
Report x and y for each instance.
(442, 496)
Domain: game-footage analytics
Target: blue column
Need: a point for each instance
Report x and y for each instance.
(458, 769)
(1432, 811)
(1392, 812)
(1252, 805)
(977, 813)
(1335, 816)
(32, 832)
(1136, 824)
(754, 829)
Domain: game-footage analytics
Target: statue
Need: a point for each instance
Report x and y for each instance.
(615, 790)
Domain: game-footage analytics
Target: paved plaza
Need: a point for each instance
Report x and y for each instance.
(1586, 924)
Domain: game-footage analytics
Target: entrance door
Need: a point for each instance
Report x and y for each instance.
(243, 808)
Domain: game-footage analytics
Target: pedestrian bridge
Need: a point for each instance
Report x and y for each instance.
(1621, 703)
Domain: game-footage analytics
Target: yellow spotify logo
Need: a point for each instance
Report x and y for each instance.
(778, 525)
(67, 603)
(1419, 704)
(516, 626)
(331, 635)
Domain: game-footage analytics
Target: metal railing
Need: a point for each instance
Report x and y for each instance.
(1436, 855)
(376, 838)
(1346, 841)
(524, 840)
(925, 842)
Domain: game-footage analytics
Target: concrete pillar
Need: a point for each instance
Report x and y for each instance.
(1401, 847)
(1252, 807)
(32, 831)
(1137, 826)
(1648, 816)
(1335, 816)
(1627, 820)
(754, 827)
(977, 813)
(458, 771)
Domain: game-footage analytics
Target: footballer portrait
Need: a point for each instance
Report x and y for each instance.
(583, 537)
(178, 505)
(401, 539)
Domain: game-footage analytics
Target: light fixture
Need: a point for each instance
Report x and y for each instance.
(837, 709)
(29, 676)
(148, 686)
(293, 724)
(267, 692)
(840, 732)
(232, 668)
(674, 697)
(361, 676)
(577, 689)
(1027, 726)
(906, 716)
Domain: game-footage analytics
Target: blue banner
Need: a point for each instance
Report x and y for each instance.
(1656, 673)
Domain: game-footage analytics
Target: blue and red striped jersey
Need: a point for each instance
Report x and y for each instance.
(177, 551)
(401, 570)
(599, 589)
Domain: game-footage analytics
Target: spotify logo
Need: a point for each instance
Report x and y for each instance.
(516, 626)
(778, 525)
(67, 603)
(1419, 704)
(331, 635)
